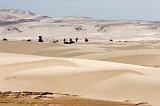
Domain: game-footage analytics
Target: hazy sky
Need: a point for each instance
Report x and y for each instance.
(101, 9)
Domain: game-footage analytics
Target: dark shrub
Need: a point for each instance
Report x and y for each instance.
(4, 39)
(76, 39)
(66, 42)
(71, 41)
(86, 40)
(40, 39)
(47, 93)
(29, 40)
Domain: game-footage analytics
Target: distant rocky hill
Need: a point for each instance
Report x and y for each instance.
(19, 24)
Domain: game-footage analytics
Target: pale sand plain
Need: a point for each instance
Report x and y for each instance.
(116, 71)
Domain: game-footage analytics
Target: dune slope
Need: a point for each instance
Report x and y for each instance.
(88, 78)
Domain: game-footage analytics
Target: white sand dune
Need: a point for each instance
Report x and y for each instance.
(137, 54)
(23, 47)
(146, 54)
(138, 57)
(89, 78)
